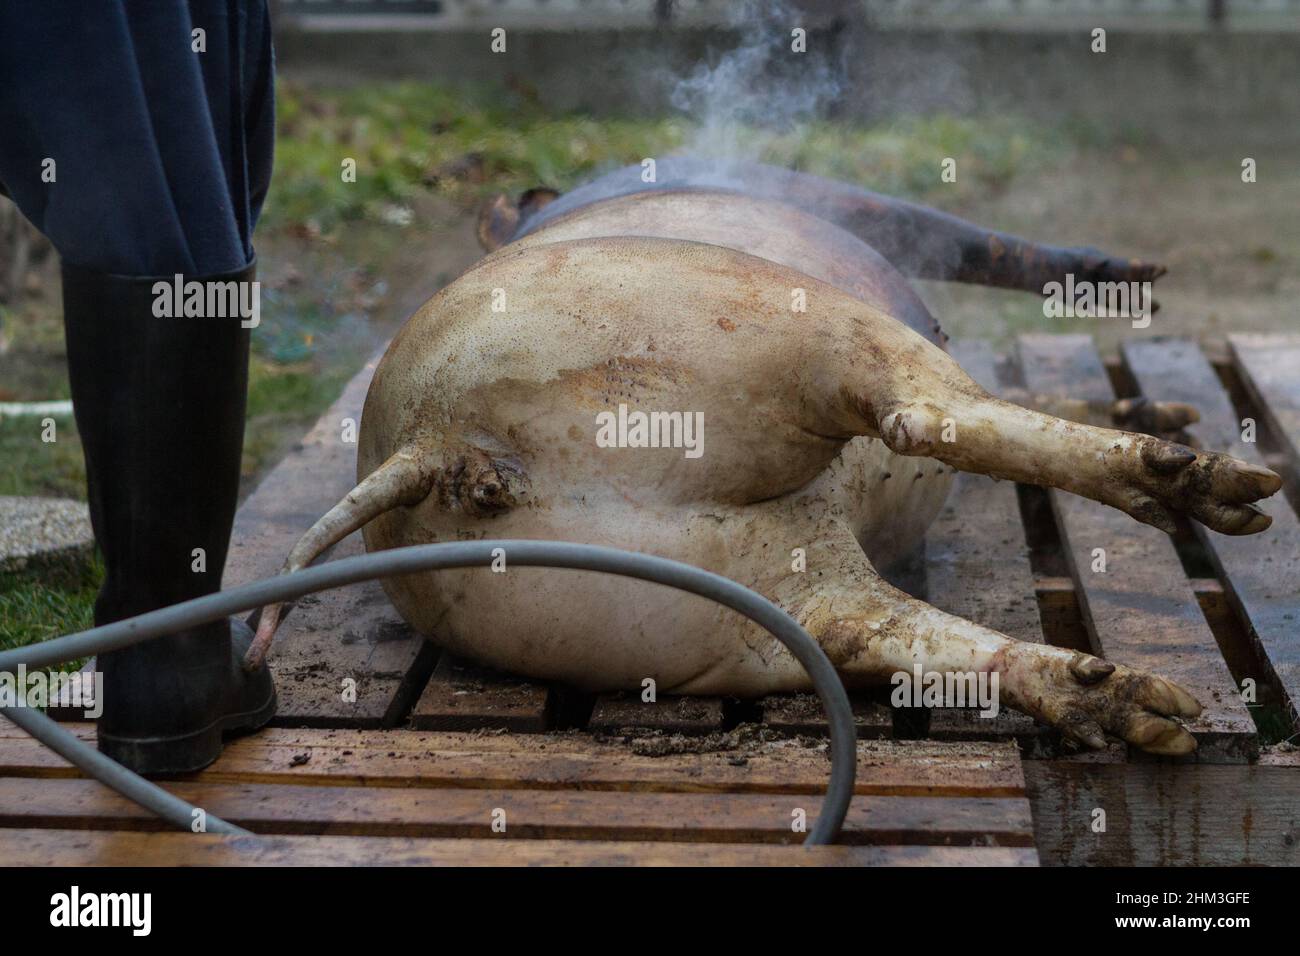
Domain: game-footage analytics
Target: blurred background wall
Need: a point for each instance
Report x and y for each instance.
(1224, 62)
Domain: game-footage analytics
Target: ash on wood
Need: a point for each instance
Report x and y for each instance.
(671, 715)
(462, 696)
(802, 714)
(342, 657)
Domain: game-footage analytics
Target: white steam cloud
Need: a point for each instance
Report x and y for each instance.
(761, 89)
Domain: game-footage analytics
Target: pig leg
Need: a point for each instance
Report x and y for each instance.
(924, 404)
(872, 631)
(928, 243)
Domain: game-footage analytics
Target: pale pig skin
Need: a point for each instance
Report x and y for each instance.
(835, 430)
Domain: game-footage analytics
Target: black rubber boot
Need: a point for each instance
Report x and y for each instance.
(159, 403)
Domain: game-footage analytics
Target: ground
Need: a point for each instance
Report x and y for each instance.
(343, 263)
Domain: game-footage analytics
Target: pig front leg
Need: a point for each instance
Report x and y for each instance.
(929, 244)
(924, 242)
(872, 632)
(1082, 696)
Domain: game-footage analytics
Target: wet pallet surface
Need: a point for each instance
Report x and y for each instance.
(383, 749)
(439, 797)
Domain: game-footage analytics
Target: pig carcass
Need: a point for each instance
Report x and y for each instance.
(832, 418)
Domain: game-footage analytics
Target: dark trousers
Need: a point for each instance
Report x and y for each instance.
(132, 151)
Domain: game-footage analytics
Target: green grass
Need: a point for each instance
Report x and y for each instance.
(412, 138)
(37, 604)
(36, 467)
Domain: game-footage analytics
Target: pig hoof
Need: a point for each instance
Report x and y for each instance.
(1099, 267)
(1215, 489)
(1153, 418)
(1087, 698)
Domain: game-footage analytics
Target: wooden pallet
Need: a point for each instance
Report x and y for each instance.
(490, 799)
(382, 749)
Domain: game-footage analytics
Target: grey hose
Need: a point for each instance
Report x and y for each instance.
(112, 774)
(553, 554)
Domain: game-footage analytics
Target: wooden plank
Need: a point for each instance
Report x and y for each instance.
(571, 761)
(670, 715)
(463, 696)
(1270, 370)
(802, 714)
(1261, 572)
(89, 848)
(340, 643)
(1141, 611)
(1159, 814)
(527, 814)
(977, 567)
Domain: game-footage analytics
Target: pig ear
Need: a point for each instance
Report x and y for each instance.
(536, 199)
(497, 221)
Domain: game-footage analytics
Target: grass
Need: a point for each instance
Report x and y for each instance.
(408, 139)
(37, 604)
(36, 467)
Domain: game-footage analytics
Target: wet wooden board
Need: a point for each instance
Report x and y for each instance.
(358, 796)
(1261, 572)
(977, 567)
(670, 715)
(1269, 366)
(86, 848)
(1160, 814)
(342, 657)
(526, 814)
(1141, 611)
(463, 696)
(570, 761)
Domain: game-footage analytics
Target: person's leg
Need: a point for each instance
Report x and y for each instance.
(160, 158)
(134, 154)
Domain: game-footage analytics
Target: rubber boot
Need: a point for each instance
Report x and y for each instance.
(159, 403)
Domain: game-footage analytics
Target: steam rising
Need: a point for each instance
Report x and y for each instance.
(761, 89)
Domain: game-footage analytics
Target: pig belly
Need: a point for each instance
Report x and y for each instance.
(887, 500)
(603, 632)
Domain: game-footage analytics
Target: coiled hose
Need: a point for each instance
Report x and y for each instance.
(550, 554)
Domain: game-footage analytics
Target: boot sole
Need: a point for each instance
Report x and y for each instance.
(186, 753)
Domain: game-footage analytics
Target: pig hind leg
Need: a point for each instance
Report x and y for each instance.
(871, 631)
